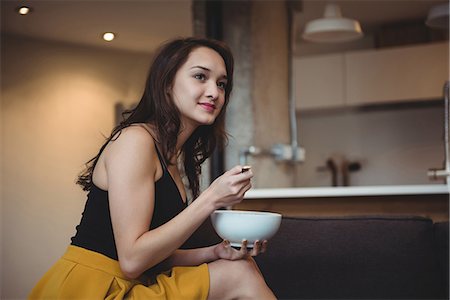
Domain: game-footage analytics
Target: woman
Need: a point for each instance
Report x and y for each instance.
(136, 217)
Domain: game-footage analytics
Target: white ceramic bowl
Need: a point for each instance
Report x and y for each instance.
(239, 225)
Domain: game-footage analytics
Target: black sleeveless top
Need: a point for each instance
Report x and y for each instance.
(95, 229)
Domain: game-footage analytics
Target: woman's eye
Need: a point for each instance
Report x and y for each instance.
(200, 76)
(222, 85)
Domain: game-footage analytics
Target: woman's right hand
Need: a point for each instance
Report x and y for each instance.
(230, 188)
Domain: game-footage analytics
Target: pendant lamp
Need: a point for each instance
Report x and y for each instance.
(332, 28)
(438, 16)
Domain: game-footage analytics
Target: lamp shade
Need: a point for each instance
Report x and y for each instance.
(438, 16)
(332, 28)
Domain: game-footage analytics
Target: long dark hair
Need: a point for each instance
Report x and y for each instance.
(157, 108)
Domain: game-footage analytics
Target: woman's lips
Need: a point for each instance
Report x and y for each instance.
(209, 107)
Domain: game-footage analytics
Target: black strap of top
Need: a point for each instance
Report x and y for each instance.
(160, 156)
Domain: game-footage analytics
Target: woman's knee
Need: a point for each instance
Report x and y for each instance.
(235, 270)
(244, 267)
(239, 276)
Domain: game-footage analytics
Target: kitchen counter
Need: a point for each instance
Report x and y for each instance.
(285, 193)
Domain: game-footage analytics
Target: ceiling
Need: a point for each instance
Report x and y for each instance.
(143, 25)
(139, 25)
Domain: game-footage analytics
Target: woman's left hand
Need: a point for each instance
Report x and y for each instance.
(225, 251)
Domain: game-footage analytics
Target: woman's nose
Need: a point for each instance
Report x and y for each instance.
(212, 91)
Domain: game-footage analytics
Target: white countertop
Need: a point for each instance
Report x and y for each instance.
(277, 193)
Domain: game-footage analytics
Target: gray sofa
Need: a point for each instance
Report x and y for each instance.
(368, 257)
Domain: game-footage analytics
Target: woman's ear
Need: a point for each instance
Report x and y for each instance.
(169, 91)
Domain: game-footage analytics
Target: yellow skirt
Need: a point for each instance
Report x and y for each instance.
(85, 274)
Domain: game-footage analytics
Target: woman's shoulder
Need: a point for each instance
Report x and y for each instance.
(139, 131)
(131, 151)
(136, 137)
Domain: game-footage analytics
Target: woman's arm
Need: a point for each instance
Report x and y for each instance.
(131, 167)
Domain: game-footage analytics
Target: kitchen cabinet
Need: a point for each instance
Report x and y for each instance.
(396, 74)
(319, 81)
(412, 73)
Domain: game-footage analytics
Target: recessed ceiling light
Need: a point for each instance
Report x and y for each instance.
(109, 36)
(23, 10)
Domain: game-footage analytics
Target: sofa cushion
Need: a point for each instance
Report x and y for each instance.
(441, 234)
(204, 236)
(352, 258)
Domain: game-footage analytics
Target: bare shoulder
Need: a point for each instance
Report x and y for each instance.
(134, 145)
(131, 151)
(135, 136)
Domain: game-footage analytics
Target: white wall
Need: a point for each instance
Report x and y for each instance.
(57, 101)
(395, 146)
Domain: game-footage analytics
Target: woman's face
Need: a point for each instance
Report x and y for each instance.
(199, 87)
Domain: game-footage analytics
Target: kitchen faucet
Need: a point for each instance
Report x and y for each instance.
(436, 174)
(340, 174)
